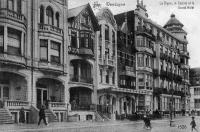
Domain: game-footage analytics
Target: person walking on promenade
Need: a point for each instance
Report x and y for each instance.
(21, 116)
(193, 124)
(42, 116)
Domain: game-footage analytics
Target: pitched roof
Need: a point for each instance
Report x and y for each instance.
(73, 12)
(77, 10)
(173, 21)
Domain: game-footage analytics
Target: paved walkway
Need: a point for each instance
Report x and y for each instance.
(74, 126)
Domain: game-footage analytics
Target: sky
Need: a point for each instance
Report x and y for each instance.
(159, 11)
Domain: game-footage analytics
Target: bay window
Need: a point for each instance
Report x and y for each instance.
(55, 52)
(43, 50)
(14, 42)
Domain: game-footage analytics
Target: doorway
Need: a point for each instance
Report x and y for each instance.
(41, 97)
(4, 94)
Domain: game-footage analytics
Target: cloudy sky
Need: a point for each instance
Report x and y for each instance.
(159, 11)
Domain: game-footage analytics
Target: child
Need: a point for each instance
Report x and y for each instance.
(193, 124)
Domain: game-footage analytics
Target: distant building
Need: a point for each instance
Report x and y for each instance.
(195, 91)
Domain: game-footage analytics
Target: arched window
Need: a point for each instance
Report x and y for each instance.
(41, 14)
(57, 19)
(49, 13)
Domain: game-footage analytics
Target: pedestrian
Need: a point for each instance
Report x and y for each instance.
(42, 116)
(22, 116)
(193, 124)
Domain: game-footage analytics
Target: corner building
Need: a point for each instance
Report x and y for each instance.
(162, 64)
(33, 66)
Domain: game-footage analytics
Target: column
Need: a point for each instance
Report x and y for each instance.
(5, 38)
(79, 71)
(49, 48)
(22, 43)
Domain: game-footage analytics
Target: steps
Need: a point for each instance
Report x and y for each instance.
(51, 116)
(101, 117)
(5, 117)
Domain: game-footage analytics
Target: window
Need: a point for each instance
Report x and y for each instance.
(1, 39)
(43, 50)
(113, 36)
(100, 50)
(55, 52)
(113, 78)
(19, 6)
(106, 32)
(57, 19)
(196, 91)
(49, 13)
(107, 77)
(140, 60)
(42, 14)
(11, 5)
(73, 39)
(14, 42)
(84, 40)
(197, 103)
(101, 75)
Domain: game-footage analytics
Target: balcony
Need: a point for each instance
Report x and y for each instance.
(145, 49)
(185, 53)
(81, 51)
(12, 15)
(76, 78)
(57, 105)
(148, 69)
(142, 30)
(128, 71)
(184, 66)
(12, 59)
(16, 104)
(109, 61)
(49, 29)
(50, 66)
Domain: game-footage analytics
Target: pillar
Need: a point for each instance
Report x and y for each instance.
(5, 38)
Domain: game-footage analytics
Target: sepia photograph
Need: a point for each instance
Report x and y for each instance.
(99, 66)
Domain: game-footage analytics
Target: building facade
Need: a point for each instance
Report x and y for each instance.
(86, 67)
(194, 91)
(162, 63)
(107, 63)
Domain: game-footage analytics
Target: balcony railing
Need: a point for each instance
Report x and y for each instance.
(49, 28)
(77, 78)
(15, 104)
(185, 53)
(145, 31)
(6, 13)
(83, 107)
(80, 51)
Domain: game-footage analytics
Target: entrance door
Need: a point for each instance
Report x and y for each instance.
(4, 94)
(41, 97)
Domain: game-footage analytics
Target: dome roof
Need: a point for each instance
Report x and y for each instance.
(173, 21)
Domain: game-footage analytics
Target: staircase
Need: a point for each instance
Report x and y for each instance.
(51, 116)
(101, 117)
(5, 117)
